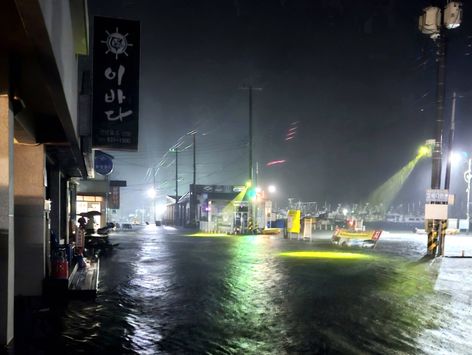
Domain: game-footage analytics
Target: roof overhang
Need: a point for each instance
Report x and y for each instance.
(40, 107)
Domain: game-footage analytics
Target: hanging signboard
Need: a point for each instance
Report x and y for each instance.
(115, 83)
(114, 200)
(114, 195)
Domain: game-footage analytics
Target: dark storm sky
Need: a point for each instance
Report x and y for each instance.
(355, 78)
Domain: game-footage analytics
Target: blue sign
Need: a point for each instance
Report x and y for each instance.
(103, 164)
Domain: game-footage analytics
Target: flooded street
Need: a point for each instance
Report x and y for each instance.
(161, 292)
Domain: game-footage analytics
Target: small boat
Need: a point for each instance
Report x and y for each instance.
(351, 237)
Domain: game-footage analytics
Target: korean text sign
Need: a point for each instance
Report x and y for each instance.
(116, 60)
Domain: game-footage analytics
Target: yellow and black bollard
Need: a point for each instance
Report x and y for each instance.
(432, 236)
(442, 240)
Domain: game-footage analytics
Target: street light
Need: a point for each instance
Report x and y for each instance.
(151, 193)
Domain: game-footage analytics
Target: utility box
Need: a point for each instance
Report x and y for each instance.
(435, 211)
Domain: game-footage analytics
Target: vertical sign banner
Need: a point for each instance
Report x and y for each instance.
(116, 58)
(114, 200)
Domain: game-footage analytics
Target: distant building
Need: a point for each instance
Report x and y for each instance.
(217, 208)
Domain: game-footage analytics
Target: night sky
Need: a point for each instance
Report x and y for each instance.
(354, 80)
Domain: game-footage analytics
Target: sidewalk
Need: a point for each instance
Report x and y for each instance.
(453, 311)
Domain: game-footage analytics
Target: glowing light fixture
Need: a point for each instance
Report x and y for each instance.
(251, 193)
(457, 157)
(272, 189)
(151, 193)
(161, 209)
(424, 151)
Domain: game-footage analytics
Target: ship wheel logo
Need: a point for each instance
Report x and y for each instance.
(117, 43)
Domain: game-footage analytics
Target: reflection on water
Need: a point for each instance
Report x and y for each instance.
(237, 295)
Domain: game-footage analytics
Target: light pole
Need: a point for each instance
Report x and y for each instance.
(467, 178)
(176, 206)
(251, 207)
(272, 190)
(152, 194)
(433, 22)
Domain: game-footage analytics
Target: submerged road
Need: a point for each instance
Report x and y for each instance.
(164, 292)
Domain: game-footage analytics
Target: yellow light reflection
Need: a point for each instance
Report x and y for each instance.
(326, 255)
(208, 235)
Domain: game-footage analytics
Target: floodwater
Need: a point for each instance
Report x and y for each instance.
(164, 292)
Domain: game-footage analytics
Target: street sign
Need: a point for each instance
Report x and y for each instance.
(437, 196)
(435, 211)
(103, 163)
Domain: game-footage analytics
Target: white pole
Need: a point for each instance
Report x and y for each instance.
(468, 194)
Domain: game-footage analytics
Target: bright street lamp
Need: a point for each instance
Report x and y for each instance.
(151, 193)
(272, 189)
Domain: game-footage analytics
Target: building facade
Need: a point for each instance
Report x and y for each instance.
(41, 152)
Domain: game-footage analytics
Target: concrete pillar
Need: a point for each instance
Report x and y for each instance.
(55, 187)
(31, 231)
(7, 257)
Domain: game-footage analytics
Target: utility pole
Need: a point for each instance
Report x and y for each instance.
(154, 188)
(432, 22)
(193, 196)
(194, 160)
(447, 179)
(176, 185)
(440, 93)
(467, 178)
(250, 88)
(176, 206)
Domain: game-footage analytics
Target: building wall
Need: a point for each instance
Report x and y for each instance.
(7, 260)
(31, 233)
(57, 17)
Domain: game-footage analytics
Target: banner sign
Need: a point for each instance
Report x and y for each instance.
(115, 83)
(437, 196)
(114, 200)
(199, 189)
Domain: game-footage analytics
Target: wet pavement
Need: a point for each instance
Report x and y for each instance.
(163, 292)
